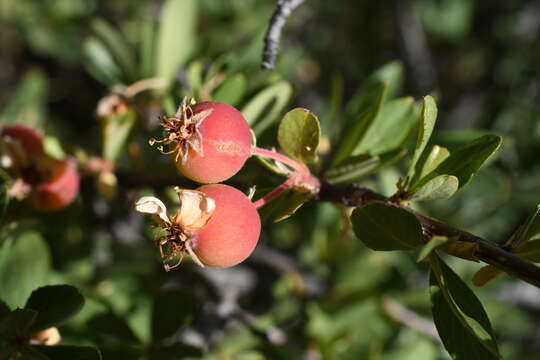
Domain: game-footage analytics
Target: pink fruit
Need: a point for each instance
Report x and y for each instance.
(58, 189)
(209, 141)
(232, 232)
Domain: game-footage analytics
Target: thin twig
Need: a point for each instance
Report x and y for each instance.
(486, 251)
(271, 40)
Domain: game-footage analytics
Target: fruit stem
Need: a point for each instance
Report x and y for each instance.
(301, 168)
(275, 193)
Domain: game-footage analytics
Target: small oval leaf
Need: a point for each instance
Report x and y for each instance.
(385, 227)
(299, 134)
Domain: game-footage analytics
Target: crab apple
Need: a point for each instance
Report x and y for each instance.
(59, 188)
(210, 141)
(232, 232)
(31, 140)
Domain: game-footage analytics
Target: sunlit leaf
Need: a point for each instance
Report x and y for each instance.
(265, 107)
(176, 36)
(440, 187)
(298, 135)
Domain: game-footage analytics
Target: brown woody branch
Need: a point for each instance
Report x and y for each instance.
(486, 251)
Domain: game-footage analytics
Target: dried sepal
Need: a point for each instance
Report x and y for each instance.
(154, 206)
(196, 209)
(181, 131)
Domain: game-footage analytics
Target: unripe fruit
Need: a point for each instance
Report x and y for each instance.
(232, 232)
(59, 189)
(210, 141)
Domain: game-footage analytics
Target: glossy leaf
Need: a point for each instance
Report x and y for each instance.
(172, 309)
(427, 123)
(355, 131)
(385, 227)
(436, 242)
(24, 266)
(441, 187)
(265, 107)
(464, 162)
(176, 36)
(54, 305)
(359, 166)
(390, 128)
(460, 319)
(232, 90)
(530, 230)
(298, 135)
(435, 157)
(68, 352)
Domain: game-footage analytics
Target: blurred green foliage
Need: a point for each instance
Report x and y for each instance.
(311, 290)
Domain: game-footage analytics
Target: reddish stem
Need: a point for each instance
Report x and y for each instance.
(274, 193)
(301, 168)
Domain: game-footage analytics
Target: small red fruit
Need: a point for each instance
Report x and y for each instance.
(232, 232)
(212, 140)
(51, 184)
(30, 139)
(216, 224)
(59, 189)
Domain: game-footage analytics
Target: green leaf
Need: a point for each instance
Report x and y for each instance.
(232, 90)
(68, 352)
(176, 36)
(99, 62)
(530, 230)
(172, 309)
(17, 323)
(390, 129)
(435, 243)
(4, 198)
(24, 266)
(285, 205)
(54, 305)
(441, 187)
(460, 319)
(427, 123)
(113, 327)
(356, 130)
(115, 131)
(299, 134)
(28, 104)
(264, 108)
(529, 250)
(118, 47)
(359, 166)
(435, 157)
(465, 161)
(385, 227)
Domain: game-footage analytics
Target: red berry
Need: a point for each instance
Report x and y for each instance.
(59, 189)
(30, 139)
(210, 141)
(232, 232)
